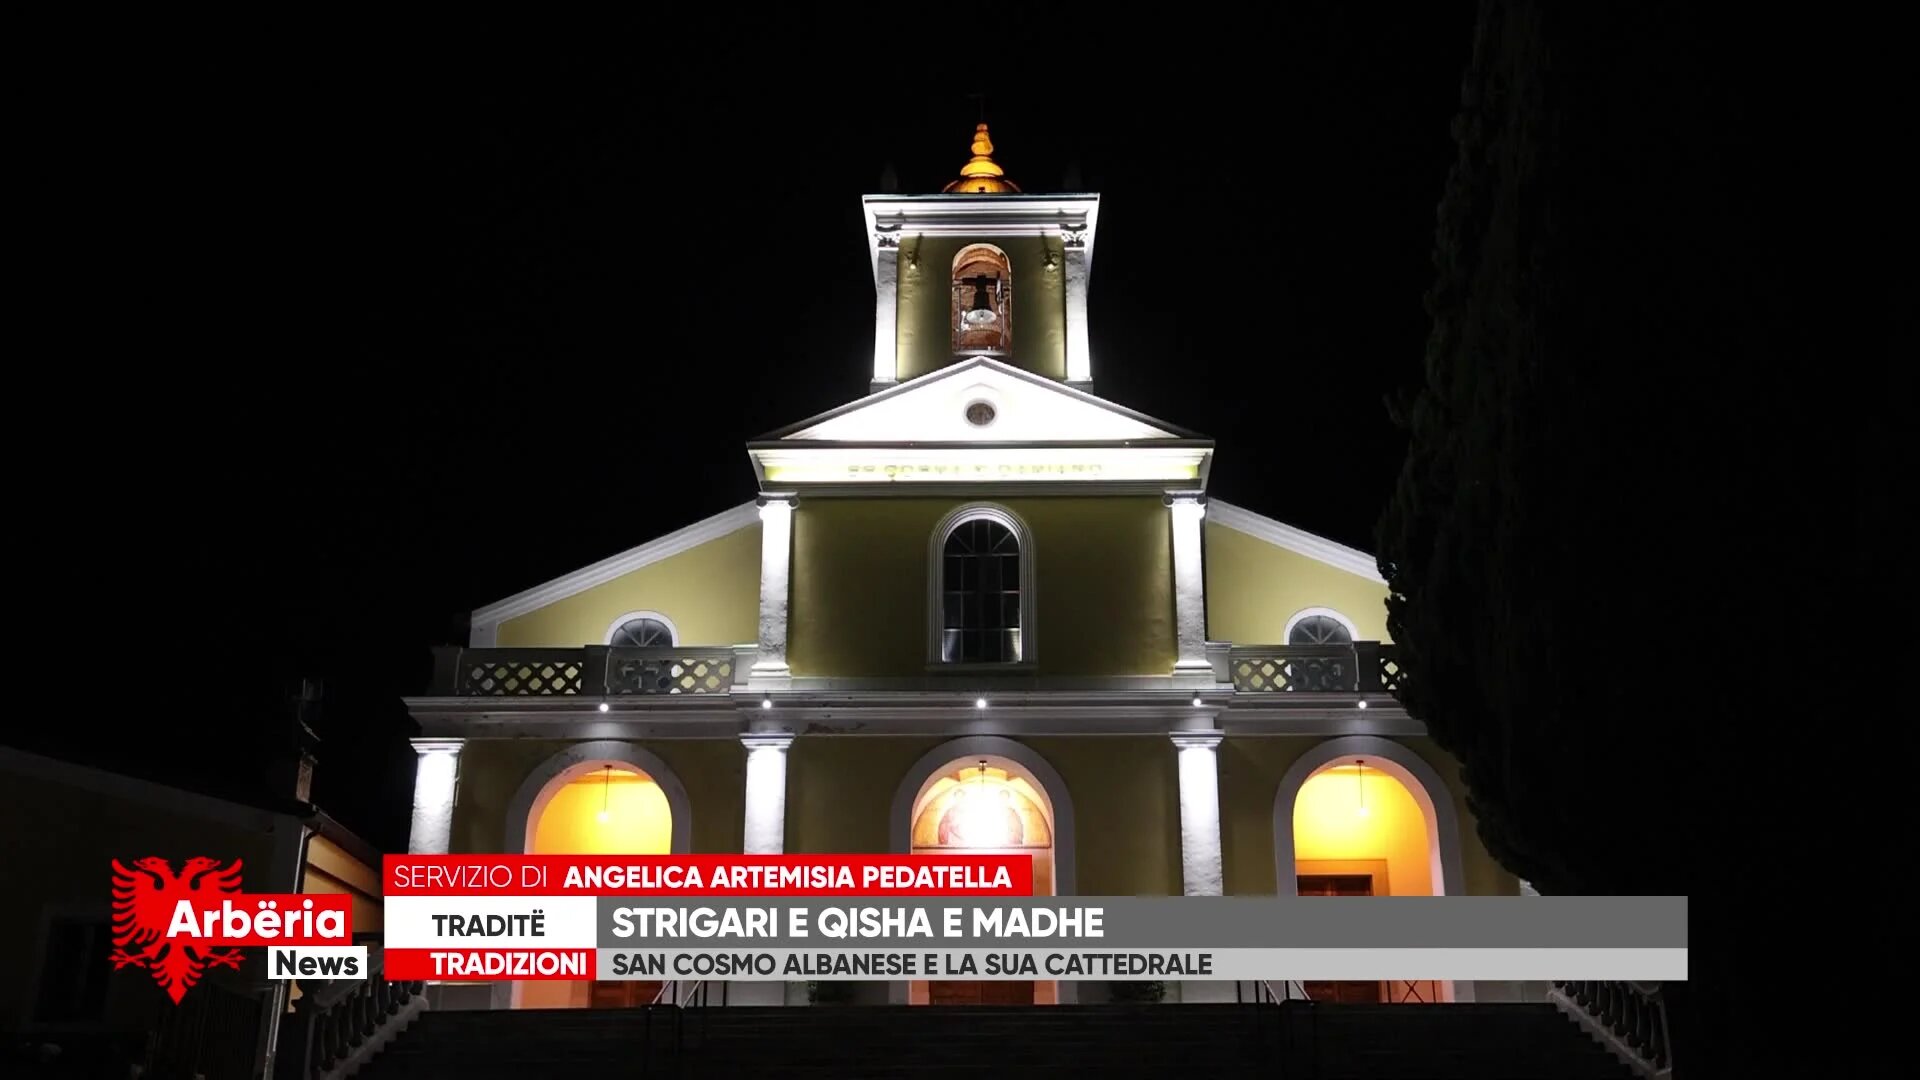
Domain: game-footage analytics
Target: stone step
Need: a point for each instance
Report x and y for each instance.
(1360, 1042)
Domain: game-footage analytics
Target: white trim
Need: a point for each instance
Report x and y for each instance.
(615, 625)
(886, 314)
(1299, 541)
(1022, 761)
(1446, 872)
(991, 366)
(936, 573)
(1286, 636)
(972, 216)
(721, 524)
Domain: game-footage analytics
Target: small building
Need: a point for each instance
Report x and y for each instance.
(66, 824)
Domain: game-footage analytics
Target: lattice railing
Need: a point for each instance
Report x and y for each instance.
(521, 672)
(1363, 667)
(669, 671)
(593, 671)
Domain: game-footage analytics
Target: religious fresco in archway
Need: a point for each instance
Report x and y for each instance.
(981, 807)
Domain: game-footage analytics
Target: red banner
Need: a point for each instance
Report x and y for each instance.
(708, 875)
(489, 965)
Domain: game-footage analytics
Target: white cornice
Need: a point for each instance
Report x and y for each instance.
(972, 369)
(626, 562)
(978, 215)
(1298, 541)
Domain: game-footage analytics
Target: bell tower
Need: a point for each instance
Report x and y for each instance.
(981, 269)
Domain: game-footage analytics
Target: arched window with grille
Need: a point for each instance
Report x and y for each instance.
(642, 630)
(982, 595)
(1319, 626)
(1319, 666)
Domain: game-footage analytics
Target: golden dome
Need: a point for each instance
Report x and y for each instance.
(981, 176)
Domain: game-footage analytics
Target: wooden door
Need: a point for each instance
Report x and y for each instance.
(951, 992)
(622, 994)
(1339, 885)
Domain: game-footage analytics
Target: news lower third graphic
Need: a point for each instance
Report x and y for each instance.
(870, 918)
(177, 925)
(776, 918)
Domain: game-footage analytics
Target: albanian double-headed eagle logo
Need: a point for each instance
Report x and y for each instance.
(144, 900)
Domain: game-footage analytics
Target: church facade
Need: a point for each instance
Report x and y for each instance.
(976, 608)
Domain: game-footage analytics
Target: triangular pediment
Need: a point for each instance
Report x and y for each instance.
(946, 406)
(982, 422)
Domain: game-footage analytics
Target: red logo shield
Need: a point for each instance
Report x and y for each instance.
(144, 899)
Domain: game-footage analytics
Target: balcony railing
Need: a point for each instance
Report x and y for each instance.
(600, 671)
(594, 671)
(1363, 667)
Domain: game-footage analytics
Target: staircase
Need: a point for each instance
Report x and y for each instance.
(1311, 1042)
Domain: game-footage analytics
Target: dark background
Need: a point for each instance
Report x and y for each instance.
(409, 318)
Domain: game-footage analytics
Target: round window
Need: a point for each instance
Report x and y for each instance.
(980, 413)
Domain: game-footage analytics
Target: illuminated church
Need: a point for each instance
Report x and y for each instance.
(980, 608)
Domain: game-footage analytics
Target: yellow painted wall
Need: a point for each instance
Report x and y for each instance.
(331, 870)
(637, 818)
(1250, 774)
(924, 329)
(859, 604)
(1350, 813)
(491, 770)
(1253, 587)
(840, 791)
(1126, 804)
(711, 592)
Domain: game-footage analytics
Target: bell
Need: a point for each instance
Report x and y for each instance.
(982, 313)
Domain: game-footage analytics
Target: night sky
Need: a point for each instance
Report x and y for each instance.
(431, 315)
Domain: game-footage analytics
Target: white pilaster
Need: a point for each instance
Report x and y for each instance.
(886, 312)
(766, 816)
(1201, 869)
(1079, 347)
(436, 780)
(1189, 582)
(776, 556)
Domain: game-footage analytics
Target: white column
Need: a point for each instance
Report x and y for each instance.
(1079, 348)
(1189, 583)
(436, 780)
(766, 832)
(886, 313)
(776, 555)
(1201, 870)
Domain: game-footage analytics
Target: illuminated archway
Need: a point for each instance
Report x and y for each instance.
(604, 797)
(1017, 804)
(1357, 815)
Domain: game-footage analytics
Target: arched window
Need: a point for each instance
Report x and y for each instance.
(982, 301)
(642, 629)
(983, 588)
(1319, 626)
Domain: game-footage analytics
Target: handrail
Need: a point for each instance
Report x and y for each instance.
(1629, 1018)
(1290, 990)
(588, 671)
(337, 1025)
(1362, 667)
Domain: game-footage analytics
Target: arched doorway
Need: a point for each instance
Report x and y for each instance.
(605, 798)
(1357, 817)
(987, 795)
